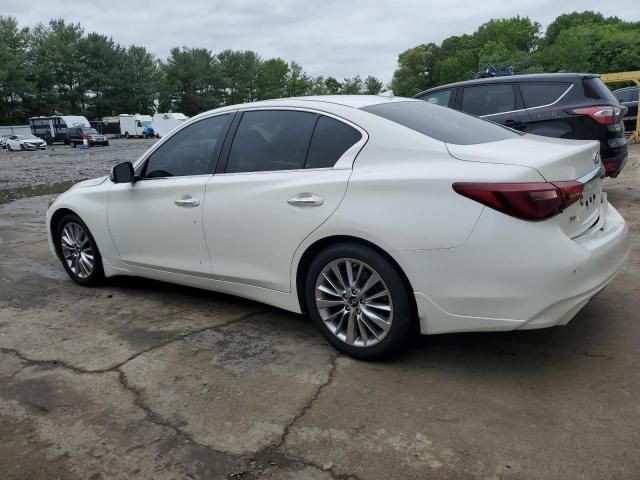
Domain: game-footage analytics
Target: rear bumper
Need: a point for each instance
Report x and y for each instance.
(614, 165)
(508, 277)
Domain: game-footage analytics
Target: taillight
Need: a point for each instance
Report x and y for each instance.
(528, 201)
(605, 114)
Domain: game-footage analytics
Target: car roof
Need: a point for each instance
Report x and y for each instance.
(323, 102)
(532, 77)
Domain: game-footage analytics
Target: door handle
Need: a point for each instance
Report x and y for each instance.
(187, 201)
(306, 200)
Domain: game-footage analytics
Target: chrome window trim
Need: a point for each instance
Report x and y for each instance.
(532, 108)
(345, 162)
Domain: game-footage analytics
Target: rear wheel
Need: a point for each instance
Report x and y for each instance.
(358, 301)
(126, 135)
(78, 251)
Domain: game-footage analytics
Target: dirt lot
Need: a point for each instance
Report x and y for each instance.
(145, 380)
(58, 167)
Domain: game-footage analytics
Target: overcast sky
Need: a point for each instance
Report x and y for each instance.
(327, 37)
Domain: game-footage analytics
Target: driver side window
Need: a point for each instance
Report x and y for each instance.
(191, 151)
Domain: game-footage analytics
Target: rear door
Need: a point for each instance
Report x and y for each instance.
(498, 102)
(548, 111)
(282, 176)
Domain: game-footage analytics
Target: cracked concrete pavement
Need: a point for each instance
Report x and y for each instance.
(139, 379)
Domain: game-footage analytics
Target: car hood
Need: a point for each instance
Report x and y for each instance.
(92, 182)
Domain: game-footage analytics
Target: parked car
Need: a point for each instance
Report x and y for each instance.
(3, 142)
(93, 137)
(628, 97)
(25, 142)
(375, 215)
(563, 105)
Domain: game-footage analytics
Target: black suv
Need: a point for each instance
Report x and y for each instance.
(563, 105)
(628, 97)
(78, 134)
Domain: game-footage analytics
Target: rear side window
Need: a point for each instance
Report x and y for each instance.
(594, 88)
(438, 98)
(441, 123)
(269, 140)
(488, 99)
(331, 139)
(538, 94)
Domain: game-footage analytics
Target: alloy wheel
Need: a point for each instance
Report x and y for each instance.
(354, 302)
(77, 250)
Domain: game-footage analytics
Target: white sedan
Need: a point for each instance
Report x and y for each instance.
(374, 215)
(25, 142)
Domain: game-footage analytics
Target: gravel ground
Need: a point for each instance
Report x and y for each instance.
(23, 172)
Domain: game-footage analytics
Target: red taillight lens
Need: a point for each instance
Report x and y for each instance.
(604, 114)
(528, 201)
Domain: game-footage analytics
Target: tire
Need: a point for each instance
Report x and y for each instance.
(375, 332)
(75, 265)
(106, 144)
(9, 148)
(126, 135)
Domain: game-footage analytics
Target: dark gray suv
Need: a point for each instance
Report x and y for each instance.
(563, 105)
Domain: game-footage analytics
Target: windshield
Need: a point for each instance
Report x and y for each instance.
(146, 123)
(28, 137)
(90, 130)
(442, 123)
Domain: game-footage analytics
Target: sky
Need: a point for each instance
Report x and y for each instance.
(327, 37)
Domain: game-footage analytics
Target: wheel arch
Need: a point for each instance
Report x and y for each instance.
(322, 243)
(55, 220)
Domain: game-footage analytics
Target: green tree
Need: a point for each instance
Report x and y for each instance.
(272, 78)
(352, 86)
(14, 84)
(298, 82)
(192, 81)
(415, 70)
(372, 85)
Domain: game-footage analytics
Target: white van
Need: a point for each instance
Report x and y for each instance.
(134, 125)
(163, 123)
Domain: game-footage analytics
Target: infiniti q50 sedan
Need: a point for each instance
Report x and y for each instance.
(374, 215)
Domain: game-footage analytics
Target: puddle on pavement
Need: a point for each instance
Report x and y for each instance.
(33, 191)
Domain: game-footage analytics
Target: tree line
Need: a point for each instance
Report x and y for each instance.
(574, 42)
(58, 67)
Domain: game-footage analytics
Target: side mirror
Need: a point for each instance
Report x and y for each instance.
(122, 173)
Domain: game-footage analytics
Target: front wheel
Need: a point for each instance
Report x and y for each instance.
(359, 301)
(9, 148)
(78, 251)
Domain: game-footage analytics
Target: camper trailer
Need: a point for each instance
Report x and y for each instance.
(134, 125)
(163, 123)
(54, 129)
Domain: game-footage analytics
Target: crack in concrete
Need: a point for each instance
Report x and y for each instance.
(80, 370)
(269, 457)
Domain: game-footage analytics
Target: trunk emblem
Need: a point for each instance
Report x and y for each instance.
(596, 158)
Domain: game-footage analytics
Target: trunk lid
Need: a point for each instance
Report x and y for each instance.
(553, 158)
(556, 160)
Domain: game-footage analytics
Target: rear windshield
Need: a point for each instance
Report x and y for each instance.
(442, 123)
(594, 88)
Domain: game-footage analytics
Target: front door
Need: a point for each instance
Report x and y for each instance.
(156, 222)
